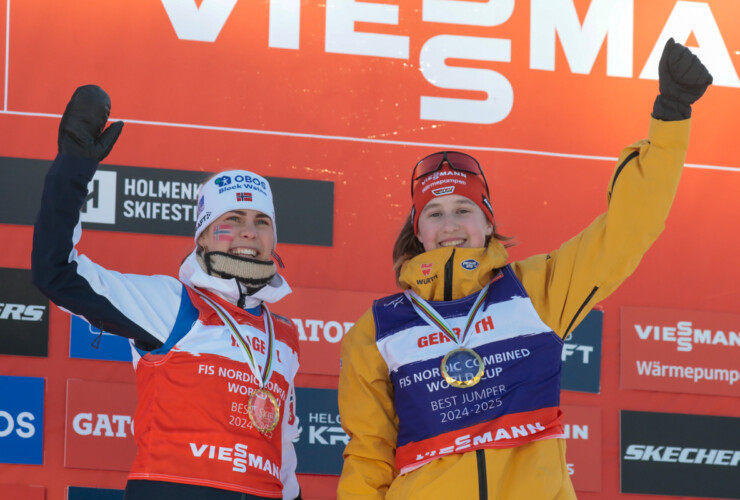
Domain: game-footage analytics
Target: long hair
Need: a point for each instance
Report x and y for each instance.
(408, 246)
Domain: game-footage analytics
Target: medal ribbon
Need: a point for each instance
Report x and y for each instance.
(231, 323)
(435, 320)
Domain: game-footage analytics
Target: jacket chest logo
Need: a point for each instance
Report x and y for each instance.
(426, 269)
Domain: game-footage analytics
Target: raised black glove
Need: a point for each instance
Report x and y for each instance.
(81, 132)
(682, 79)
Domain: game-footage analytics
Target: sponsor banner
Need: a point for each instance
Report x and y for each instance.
(582, 355)
(162, 201)
(24, 315)
(87, 342)
(678, 350)
(323, 317)
(379, 71)
(583, 433)
(21, 420)
(678, 454)
(322, 440)
(99, 425)
(22, 492)
(80, 493)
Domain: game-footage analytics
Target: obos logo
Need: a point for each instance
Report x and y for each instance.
(100, 204)
(21, 420)
(224, 180)
(469, 264)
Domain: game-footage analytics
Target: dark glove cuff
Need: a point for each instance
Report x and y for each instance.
(669, 110)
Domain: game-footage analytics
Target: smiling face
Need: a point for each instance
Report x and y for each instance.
(452, 220)
(244, 233)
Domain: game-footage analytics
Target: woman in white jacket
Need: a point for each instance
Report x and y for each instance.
(214, 368)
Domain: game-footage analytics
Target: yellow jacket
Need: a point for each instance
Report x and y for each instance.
(563, 286)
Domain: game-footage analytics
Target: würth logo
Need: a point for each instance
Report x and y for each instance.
(426, 269)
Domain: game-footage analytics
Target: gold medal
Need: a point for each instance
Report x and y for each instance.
(263, 410)
(462, 367)
(263, 407)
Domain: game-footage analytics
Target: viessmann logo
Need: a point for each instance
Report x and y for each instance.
(608, 28)
(238, 456)
(686, 334)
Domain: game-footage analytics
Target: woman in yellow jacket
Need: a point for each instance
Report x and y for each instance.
(451, 389)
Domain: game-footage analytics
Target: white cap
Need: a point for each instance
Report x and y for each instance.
(233, 190)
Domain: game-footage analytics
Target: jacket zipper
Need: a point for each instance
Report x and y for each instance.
(480, 456)
(588, 299)
(448, 277)
(629, 158)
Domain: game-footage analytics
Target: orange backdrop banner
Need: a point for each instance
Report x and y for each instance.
(544, 93)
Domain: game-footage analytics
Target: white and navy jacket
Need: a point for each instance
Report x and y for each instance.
(191, 424)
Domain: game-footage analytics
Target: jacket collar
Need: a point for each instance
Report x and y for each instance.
(460, 271)
(193, 275)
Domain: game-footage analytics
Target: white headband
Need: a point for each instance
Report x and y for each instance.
(233, 190)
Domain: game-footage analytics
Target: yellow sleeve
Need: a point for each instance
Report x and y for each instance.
(565, 284)
(368, 415)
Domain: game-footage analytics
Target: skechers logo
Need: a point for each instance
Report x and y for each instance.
(676, 454)
(21, 312)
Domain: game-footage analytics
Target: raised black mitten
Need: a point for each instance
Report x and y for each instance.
(682, 80)
(82, 130)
